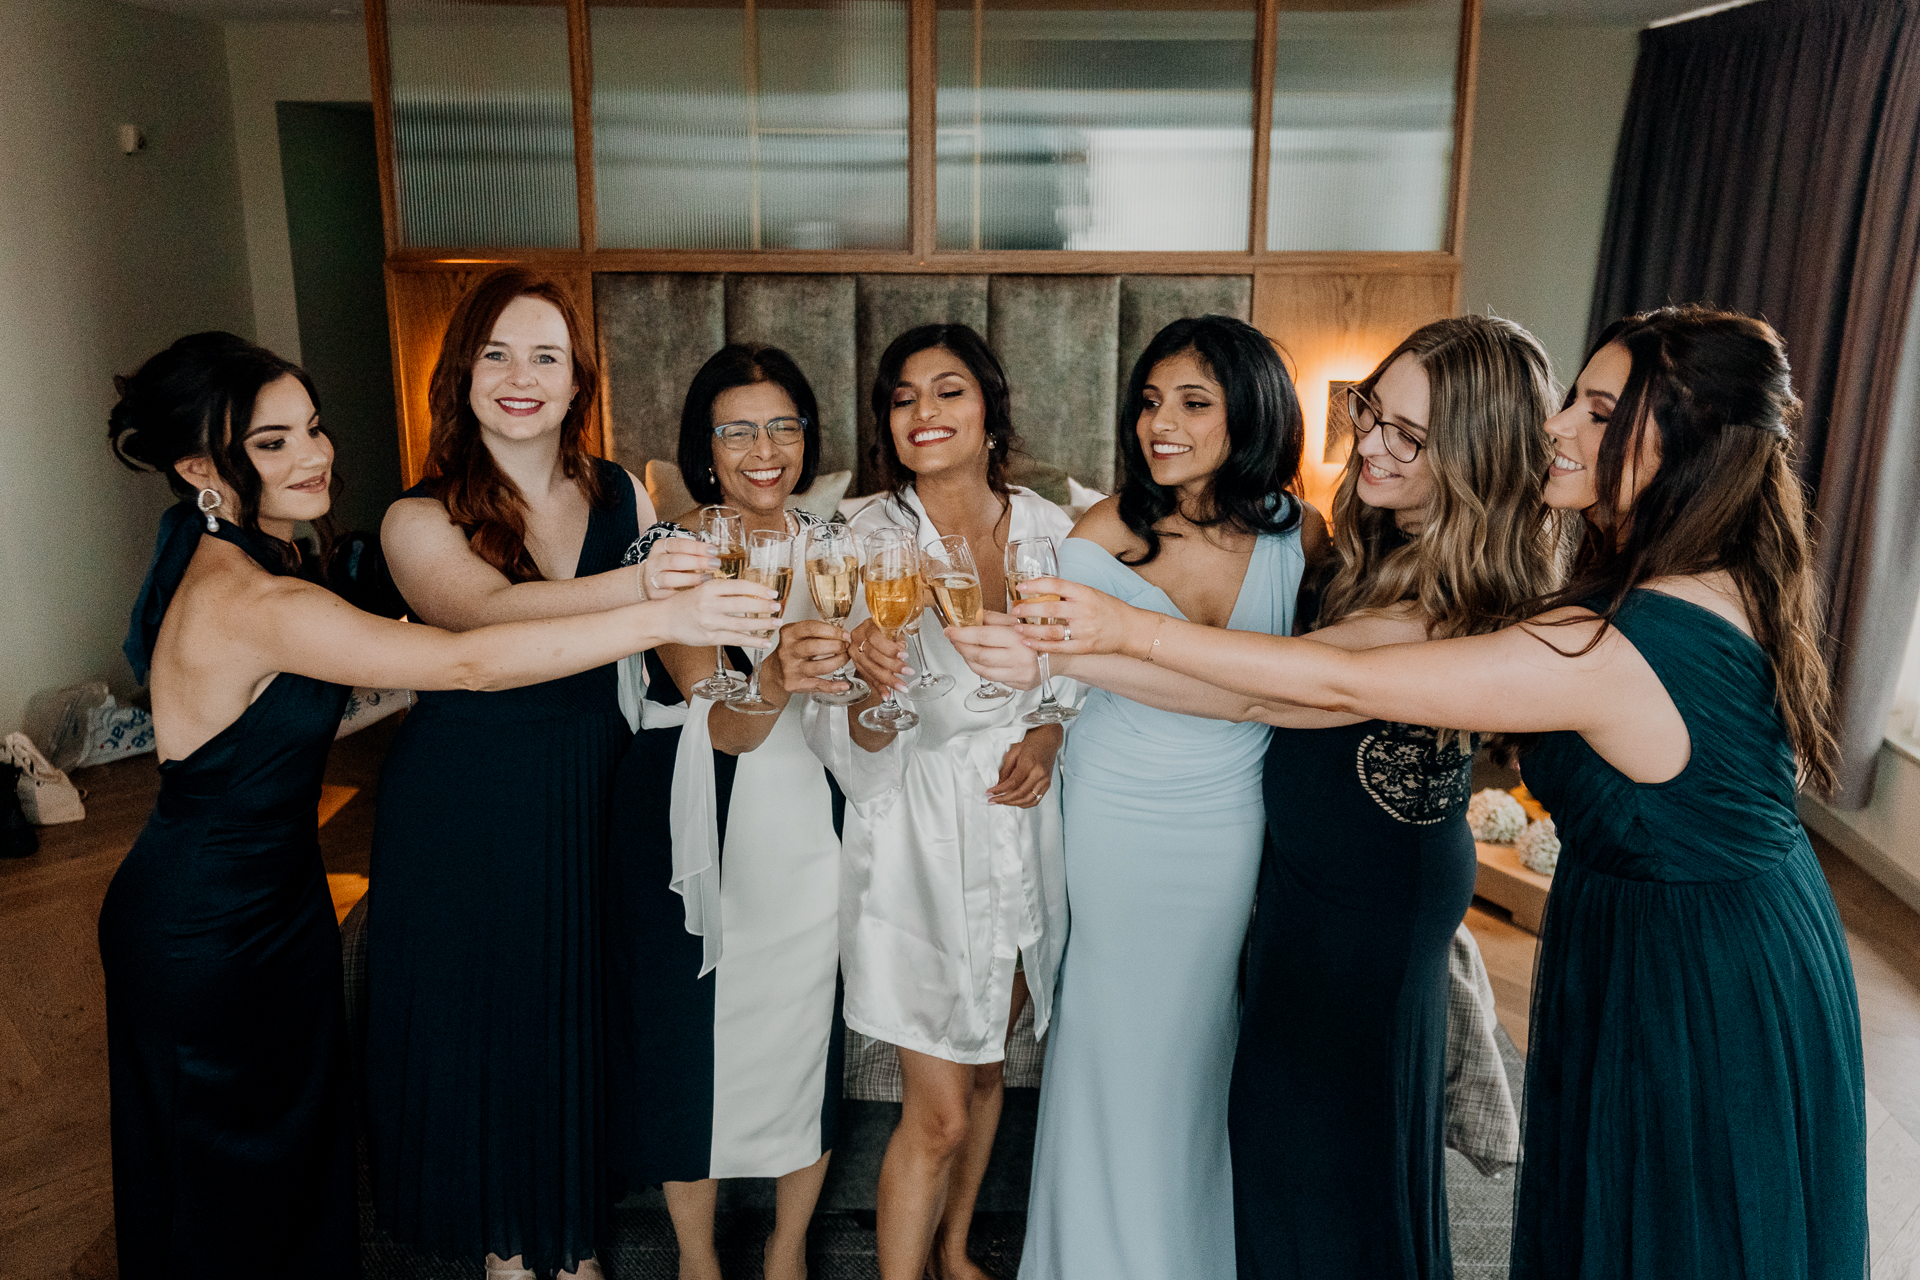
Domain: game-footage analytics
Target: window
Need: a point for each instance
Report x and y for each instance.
(1113, 128)
(748, 127)
(483, 124)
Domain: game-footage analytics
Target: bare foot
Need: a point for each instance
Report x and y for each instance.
(781, 1261)
(944, 1266)
(499, 1268)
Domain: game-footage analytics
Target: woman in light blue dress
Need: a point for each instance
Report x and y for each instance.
(1132, 1178)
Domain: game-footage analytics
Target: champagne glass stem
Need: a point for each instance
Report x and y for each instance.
(753, 685)
(720, 663)
(1046, 685)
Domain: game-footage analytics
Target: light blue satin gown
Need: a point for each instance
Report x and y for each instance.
(1165, 818)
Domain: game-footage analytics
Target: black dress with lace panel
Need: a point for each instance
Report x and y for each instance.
(1338, 1110)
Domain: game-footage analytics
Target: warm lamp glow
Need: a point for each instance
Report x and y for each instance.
(1316, 385)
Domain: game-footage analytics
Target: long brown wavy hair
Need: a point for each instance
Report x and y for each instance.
(1716, 387)
(460, 469)
(1486, 545)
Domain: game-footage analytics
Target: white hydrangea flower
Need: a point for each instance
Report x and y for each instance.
(1496, 817)
(1540, 847)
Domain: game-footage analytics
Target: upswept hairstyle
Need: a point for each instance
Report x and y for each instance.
(1717, 389)
(740, 364)
(460, 470)
(1265, 434)
(1487, 545)
(972, 349)
(183, 404)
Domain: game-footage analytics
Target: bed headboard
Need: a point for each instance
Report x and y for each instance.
(1068, 343)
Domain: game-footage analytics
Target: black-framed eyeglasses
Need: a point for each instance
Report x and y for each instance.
(1366, 415)
(738, 437)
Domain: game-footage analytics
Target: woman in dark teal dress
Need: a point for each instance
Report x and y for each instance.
(232, 1123)
(1695, 1091)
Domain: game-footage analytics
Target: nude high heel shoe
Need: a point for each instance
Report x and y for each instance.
(500, 1270)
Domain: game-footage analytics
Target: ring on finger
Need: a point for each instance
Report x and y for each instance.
(1068, 630)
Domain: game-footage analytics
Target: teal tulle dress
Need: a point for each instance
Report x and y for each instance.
(1695, 1103)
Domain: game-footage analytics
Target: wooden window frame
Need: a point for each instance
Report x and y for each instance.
(922, 255)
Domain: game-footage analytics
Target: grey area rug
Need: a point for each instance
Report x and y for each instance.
(841, 1241)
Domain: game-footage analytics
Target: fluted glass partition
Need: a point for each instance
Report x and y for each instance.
(483, 124)
(746, 126)
(1121, 127)
(1363, 103)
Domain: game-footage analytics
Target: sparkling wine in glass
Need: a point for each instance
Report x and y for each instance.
(1027, 559)
(954, 579)
(769, 563)
(891, 576)
(723, 528)
(833, 572)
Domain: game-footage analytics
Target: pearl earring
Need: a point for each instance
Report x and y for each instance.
(208, 504)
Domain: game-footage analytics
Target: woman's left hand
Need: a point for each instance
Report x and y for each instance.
(1026, 771)
(1092, 621)
(995, 651)
(674, 564)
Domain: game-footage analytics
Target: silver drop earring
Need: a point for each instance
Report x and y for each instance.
(208, 504)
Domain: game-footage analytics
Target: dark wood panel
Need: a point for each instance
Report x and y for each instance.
(1466, 77)
(1034, 262)
(380, 69)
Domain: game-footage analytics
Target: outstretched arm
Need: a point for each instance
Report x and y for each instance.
(998, 652)
(1507, 681)
(449, 586)
(310, 631)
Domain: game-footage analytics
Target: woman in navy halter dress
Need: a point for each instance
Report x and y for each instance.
(226, 1025)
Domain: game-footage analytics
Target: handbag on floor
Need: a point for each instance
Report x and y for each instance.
(45, 794)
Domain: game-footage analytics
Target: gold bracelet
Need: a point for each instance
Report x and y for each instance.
(640, 580)
(1154, 648)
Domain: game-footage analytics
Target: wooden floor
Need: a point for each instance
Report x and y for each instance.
(56, 1200)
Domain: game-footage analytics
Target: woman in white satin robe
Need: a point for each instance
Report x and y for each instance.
(953, 893)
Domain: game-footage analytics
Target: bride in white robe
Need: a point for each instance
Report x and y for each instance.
(952, 889)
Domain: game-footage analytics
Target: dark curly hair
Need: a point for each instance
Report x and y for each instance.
(183, 402)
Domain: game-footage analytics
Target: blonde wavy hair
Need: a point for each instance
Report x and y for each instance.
(1487, 544)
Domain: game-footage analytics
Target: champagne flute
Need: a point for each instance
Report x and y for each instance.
(891, 576)
(833, 566)
(769, 563)
(723, 528)
(1029, 558)
(931, 683)
(954, 580)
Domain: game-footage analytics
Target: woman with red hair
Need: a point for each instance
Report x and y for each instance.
(483, 1049)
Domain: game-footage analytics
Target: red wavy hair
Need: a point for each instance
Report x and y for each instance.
(460, 470)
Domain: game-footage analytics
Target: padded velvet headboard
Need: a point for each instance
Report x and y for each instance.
(1068, 343)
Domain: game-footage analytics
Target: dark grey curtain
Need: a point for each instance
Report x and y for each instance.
(1770, 162)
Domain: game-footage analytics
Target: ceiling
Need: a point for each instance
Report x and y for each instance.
(1621, 12)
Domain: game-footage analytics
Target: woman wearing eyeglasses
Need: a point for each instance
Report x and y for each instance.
(1337, 1105)
(723, 1032)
